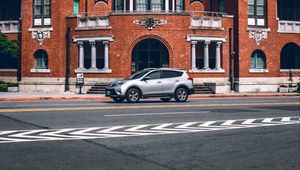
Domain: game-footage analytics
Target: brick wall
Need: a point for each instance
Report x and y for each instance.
(271, 46)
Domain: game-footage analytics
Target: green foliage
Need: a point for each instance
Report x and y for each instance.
(8, 47)
(3, 87)
(298, 88)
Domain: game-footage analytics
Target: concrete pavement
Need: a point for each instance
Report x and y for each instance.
(21, 96)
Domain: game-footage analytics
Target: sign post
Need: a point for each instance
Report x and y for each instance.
(80, 81)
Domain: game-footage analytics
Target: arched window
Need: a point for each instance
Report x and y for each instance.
(290, 56)
(258, 60)
(41, 59)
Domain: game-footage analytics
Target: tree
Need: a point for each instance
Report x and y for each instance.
(9, 52)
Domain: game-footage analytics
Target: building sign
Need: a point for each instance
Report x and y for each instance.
(196, 1)
(105, 1)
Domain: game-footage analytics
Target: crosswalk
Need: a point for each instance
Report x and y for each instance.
(14, 136)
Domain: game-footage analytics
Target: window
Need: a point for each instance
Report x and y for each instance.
(41, 13)
(154, 75)
(156, 5)
(290, 56)
(141, 5)
(76, 6)
(170, 74)
(179, 5)
(147, 5)
(258, 60)
(257, 12)
(221, 6)
(288, 10)
(117, 5)
(41, 59)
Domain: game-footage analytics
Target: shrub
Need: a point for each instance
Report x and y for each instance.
(3, 88)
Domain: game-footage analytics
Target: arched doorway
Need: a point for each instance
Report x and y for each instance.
(149, 53)
(290, 56)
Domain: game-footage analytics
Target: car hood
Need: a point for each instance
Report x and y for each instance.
(114, 83)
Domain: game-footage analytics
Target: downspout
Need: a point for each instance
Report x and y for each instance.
(231, 57)
(86, 7)
(67, 76)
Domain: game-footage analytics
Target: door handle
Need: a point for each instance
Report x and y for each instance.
(159, 82)
(176, 81)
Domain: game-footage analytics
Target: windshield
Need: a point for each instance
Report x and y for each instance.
(138, 74)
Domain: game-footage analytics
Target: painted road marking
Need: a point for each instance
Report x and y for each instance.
(181, 105)
(152, 114)
(14, 136)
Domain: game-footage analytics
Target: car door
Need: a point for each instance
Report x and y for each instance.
(153, 85)
(170, 80)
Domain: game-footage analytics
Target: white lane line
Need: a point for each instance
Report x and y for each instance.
(207, 123)
(267, 120)
(228, 123)
(248, 122)
(186, 125)
(285, 119)
(150, 114)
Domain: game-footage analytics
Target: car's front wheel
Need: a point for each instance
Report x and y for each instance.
(118, 99)
(181, 94)
(133, 95)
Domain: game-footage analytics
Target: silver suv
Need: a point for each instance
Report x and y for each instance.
(165, 83)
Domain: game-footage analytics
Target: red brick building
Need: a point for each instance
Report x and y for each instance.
(245, 45)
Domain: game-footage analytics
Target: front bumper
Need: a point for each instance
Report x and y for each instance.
(113, 93)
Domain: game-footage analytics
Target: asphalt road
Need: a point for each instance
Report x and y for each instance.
(240, 133)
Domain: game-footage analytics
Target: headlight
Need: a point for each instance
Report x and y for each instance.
(119, 84)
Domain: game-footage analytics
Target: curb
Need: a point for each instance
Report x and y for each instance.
(107, 98)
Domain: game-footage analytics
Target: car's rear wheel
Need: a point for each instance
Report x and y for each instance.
(118, 99)
(181, 94)
(133, 95)
(167, 99)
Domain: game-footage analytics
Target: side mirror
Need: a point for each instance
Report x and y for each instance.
(145, 78)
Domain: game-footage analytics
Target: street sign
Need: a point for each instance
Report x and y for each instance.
(80, 79)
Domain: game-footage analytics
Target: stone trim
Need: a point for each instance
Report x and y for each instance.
(8, 70)
(93, 71)
(192, 37)
(253, 70)
(40, 70)
(93, 38)
(206, 71)
(288, 70)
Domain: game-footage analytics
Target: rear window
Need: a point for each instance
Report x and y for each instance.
(170, 74)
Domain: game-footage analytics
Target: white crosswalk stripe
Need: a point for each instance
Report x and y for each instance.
(13, 136)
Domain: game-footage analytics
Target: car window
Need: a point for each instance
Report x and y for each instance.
(154, 75)
(171, 74)
(138, 75)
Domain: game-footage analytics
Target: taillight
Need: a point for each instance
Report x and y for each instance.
(190, 79)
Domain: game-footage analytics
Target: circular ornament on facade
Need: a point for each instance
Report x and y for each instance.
(150, 23)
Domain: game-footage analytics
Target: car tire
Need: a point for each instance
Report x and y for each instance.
(181, 94)
(167, 99)
(133, 95)
(118, 99)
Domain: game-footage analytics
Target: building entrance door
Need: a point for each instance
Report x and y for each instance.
(149, 53)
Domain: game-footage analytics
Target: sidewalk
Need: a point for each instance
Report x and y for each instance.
(19, 96)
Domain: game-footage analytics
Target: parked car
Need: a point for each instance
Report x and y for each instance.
(165, 83)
